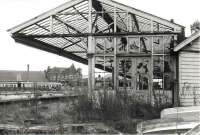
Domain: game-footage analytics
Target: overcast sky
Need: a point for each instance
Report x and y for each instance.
(14, 56)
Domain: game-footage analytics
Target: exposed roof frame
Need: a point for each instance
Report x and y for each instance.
(187, 41)
(49, 48)
(142, 14)
(67, 25)
(110, 2)
(107, 18)
(138, 29)
(80, 13)
(45, 15)
(73, 43)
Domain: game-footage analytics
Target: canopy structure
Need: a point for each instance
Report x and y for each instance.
(71, 29)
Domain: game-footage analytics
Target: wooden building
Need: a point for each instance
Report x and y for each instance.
(189, 70)
(132, 46)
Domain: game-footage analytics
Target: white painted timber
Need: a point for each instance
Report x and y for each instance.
(189, 77)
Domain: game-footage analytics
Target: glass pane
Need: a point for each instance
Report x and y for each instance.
(158, 45)
(142, 76)
(158, 70)
(168, 73)
(167, 43)
(104, 77)
(99, 45)
(99, 79)
(104, 45)
(109, 45)
(122, 19)
(145, 44)
(122, 44)
(125, 72)
(109, 62)
(134, 45)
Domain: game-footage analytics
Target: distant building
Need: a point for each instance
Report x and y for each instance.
(32, 76)
(69, 75)
(24, 79)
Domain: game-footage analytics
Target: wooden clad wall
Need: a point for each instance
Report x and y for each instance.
(189, 74)
(195, 45)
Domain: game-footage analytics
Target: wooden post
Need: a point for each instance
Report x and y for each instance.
(91, 51)
(176, 77)
(151, 69)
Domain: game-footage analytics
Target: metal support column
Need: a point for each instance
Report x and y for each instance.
(115, 53)
(151, 92)
(91, 51)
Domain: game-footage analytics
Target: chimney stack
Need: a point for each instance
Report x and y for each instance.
(195, 27)
(27, 72)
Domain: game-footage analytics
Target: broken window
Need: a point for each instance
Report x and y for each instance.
(168, 44)
(104, 45)
(134, 73)
(122, 20)
(145, 44)
(125, 72)
(168, 73)
(104, 76)
(134, 45)
(158, 47)
(158, 69)
(122, 44)
(142, 74)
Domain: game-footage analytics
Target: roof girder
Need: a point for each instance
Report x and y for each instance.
(97, 34)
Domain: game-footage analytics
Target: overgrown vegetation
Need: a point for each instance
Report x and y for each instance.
(122, 112)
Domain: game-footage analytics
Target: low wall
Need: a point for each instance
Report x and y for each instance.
(165, 125)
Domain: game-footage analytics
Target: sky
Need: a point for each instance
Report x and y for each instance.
(14, 56)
